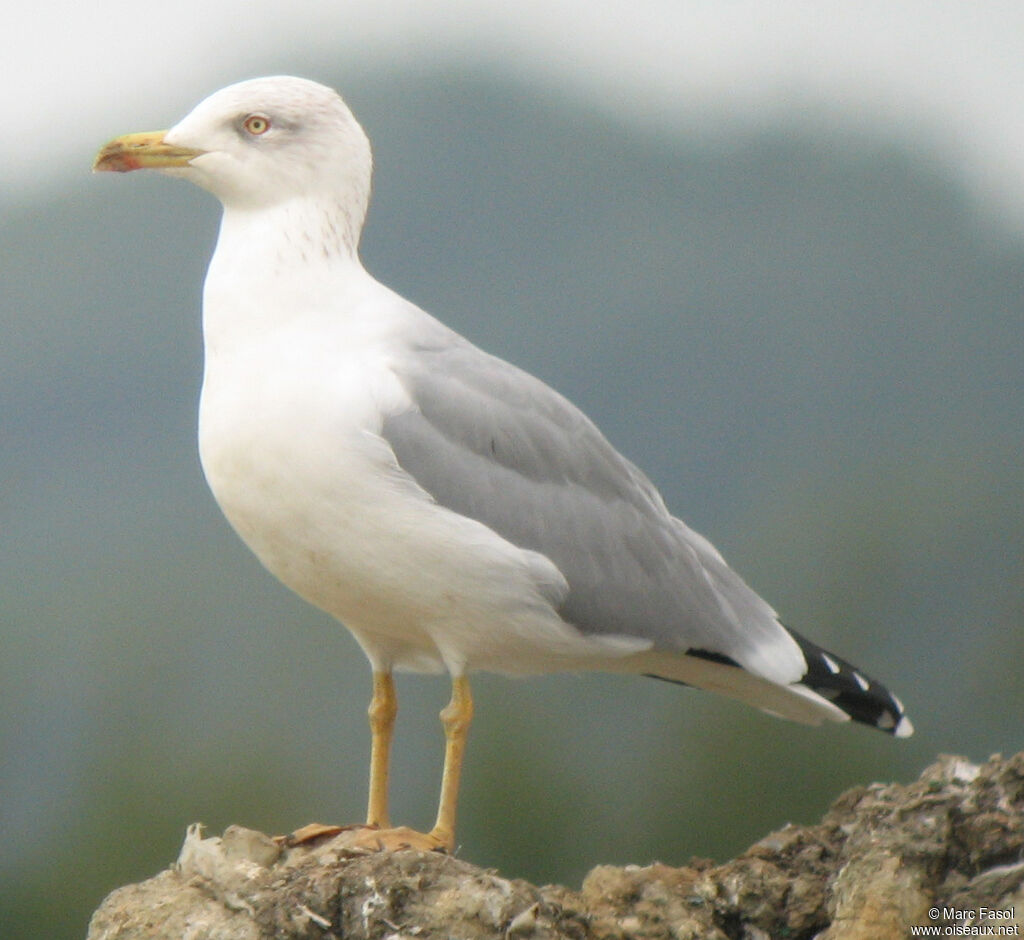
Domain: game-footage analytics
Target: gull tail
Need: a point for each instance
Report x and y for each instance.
(859, 696)
(829, 689)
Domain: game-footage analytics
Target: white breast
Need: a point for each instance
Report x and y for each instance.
(288, 436)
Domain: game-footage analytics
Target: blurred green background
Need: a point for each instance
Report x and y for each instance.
(810, 339)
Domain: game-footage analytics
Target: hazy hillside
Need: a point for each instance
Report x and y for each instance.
(812, 345)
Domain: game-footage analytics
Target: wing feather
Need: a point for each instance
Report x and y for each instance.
(493, 443)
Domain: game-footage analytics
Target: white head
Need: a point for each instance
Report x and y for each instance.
(259, 144)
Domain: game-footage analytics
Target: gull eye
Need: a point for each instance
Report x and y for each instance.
(256, 124)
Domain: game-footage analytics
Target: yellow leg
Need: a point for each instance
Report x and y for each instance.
(456, 717)
(377, 834)
(382, 711)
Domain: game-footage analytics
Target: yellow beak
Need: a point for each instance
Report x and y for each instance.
(142, 152)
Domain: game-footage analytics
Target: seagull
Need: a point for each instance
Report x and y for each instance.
(451, 510)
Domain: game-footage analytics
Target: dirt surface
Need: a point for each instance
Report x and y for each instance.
(945, 851)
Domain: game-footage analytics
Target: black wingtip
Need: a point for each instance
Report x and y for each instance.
(862, 698)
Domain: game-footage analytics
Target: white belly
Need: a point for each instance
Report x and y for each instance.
(290, 450)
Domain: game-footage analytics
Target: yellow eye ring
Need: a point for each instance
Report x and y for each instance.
(256, 124)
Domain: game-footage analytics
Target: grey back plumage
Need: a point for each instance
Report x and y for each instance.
(491, 442)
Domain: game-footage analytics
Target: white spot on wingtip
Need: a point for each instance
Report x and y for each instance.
(904, 729)
(833, 666)
(861, 681)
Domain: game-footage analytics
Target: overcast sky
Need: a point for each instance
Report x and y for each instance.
(946, 75)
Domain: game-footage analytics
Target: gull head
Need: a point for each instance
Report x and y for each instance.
(259, 144)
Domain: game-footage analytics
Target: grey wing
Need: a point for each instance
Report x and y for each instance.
(493, 443)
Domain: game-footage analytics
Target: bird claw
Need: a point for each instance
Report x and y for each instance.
(309, 833)
(368, 838)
